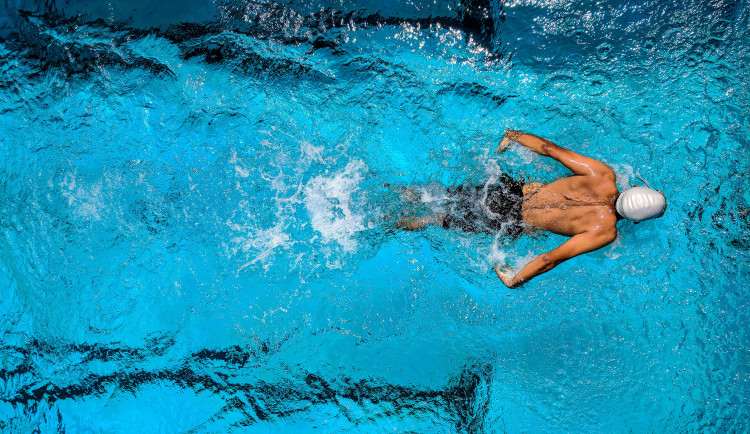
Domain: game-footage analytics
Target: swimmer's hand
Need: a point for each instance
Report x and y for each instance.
(510, 136)
(504, 144)
(506, 275)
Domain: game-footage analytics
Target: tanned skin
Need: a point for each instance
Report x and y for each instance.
(581, 206)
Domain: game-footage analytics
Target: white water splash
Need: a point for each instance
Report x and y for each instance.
(497, 256)
(624, 173)
(239, 167)
(263, 242)
(255, 240)
(85, 201)
(330, 203)
(614, 251)
(501, 255)
(312, 153)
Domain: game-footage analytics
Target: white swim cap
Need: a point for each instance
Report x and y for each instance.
(640, 203)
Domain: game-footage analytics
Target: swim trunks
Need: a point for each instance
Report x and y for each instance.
(487, 209)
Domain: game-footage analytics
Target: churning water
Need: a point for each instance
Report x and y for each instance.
(196, 203)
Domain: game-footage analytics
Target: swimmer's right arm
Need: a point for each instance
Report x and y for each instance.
(577, 163)
(577, 245)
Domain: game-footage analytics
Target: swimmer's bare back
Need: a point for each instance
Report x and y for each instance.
(581, 206)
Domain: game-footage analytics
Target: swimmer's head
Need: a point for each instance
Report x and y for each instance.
(641, 203)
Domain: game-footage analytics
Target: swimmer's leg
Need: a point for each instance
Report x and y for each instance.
(410, 195)
(401, 201)
(414, 223)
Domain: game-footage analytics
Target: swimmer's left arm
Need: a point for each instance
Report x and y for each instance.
(577, 163)
(577, 245)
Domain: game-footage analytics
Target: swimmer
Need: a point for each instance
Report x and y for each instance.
(585, 206)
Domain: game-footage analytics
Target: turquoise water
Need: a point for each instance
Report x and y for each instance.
(194, 218)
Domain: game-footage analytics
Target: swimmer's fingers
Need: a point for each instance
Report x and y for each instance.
(503, 146)
(505, 274)
(509, 137)
(501, 270)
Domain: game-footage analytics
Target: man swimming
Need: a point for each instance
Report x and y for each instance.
(585, 206)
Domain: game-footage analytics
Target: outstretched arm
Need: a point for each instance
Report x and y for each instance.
(577, 163)
(577, 245)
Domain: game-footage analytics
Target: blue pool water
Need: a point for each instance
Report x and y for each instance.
(194, 217)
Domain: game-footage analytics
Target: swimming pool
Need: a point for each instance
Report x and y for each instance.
(195, 235)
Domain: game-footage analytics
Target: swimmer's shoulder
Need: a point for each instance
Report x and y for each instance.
(601, 235)
(606, 226)
(606, 173)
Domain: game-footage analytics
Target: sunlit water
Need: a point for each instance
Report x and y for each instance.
(196, 208)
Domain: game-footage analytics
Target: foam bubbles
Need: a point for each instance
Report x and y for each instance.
(624, 173)
(263, 242)
(239, 168)
(614, 251)
(85, 201)
(312, 152)
(331, 202)
(497, 255)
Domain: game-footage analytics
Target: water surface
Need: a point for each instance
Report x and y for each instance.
(194, 216)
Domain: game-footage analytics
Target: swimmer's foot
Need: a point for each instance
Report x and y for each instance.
(413, 223)
(410, 195)
(407, 193)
